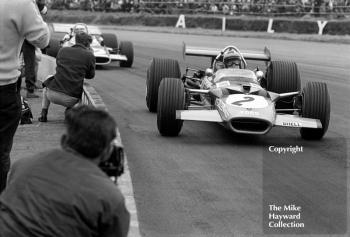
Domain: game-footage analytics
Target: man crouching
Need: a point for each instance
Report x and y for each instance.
(74, 64)
(63, 192)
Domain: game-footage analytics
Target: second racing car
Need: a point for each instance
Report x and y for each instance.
(105, 46)
(248, 101)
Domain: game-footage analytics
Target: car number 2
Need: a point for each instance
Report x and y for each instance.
(247, 101)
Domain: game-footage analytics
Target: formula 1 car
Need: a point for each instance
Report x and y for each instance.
(247, 101)
(105, 46)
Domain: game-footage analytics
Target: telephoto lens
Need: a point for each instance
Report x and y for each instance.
(114, 165)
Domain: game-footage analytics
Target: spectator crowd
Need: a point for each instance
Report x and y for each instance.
(335, 8)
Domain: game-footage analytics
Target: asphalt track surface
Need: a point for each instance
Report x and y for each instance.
(210, 182)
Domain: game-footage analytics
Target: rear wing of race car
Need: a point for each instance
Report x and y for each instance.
(212, 53)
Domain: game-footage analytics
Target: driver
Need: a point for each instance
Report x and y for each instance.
(232, 59)
(78, 28)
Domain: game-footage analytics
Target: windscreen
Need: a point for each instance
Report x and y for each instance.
(235, 76)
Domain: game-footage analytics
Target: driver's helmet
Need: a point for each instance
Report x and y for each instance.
(232, 59)
(79, 28)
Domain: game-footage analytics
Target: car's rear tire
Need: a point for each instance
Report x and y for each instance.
(315, 104)
(159, 69)
(171, 98)
(127, 49)
(110, 41)
(283, 77)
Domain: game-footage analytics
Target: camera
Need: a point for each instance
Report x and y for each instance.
(114, 165)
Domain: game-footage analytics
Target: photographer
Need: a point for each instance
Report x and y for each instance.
(63, 192)
(74, 64)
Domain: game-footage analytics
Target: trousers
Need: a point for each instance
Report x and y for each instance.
(10, 114)
(57, 98)
(29, 65)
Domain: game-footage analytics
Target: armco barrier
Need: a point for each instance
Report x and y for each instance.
(46, 67)
(91, 97)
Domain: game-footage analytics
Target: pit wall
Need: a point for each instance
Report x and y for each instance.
(225, 23)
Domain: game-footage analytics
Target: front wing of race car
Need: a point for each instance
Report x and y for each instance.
(118, 57)
(104, 56)
(248, 114)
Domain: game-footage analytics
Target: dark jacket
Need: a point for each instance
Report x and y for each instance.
(73, 65)
(58, 193)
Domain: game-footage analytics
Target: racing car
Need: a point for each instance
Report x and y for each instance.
(246, 101)
(105, 46)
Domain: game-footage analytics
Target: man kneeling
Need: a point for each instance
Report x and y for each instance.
(73, 65)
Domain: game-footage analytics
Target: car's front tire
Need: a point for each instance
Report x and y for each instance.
(315, 104)
(171, 97)
(127, 49)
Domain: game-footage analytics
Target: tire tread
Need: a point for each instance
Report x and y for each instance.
(316, 104)
(171, 98)
(127, 49)
(110, 40)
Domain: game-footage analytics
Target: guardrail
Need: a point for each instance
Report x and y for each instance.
(91, 97)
